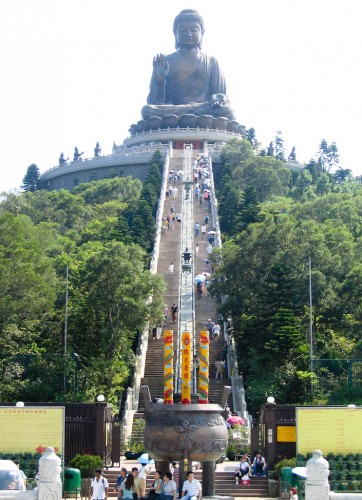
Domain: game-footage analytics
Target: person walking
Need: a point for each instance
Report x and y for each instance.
(203, 231)
(197, 249)
(171, 267)
(122, 477)
(128, 488)
(209, 326)
(99, 486)
(165, 313)
(174, 311)
(216, 330)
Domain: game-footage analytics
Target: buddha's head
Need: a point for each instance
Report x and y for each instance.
(191, 21)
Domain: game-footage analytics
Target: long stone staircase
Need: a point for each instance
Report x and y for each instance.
(205, 307)
(170, 250)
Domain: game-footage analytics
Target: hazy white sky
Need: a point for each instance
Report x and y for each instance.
(77, 71)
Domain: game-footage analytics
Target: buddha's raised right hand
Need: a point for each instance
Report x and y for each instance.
(161, 68)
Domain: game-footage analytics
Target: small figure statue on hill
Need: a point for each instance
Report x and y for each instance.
(77, 155)
(97, 149)
(62, 160)
(292, 156)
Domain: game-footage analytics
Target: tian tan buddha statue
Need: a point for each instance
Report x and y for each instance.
(188, 81)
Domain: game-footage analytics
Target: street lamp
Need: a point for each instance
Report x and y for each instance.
(270, 400)
(100, 398)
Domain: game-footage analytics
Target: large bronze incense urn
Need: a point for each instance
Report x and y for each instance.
(187, 432)
(194, 431)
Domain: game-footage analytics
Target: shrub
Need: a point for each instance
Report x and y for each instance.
(87, 464)
(286, 462)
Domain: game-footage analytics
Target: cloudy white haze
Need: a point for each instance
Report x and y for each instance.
(75, 72)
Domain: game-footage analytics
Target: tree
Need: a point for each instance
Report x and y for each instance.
(249, 209)
(279, 146)
(328, 155)
(31, 179)
(251, 136)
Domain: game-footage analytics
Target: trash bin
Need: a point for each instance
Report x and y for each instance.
(299, 483)
(287, 478)
(72, 481)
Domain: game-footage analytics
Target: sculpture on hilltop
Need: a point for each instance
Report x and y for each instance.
(187, 81)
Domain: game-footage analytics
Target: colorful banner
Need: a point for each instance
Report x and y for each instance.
(186, 369)
(204, 367)
(31, 429)
(168, 368)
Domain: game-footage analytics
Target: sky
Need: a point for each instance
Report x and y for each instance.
(75, 72)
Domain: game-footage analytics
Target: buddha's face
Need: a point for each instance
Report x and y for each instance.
(188, 34)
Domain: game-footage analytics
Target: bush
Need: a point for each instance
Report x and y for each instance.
(286, 462)
(87, 464)
(135, 442)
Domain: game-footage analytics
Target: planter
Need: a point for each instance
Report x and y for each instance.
(230, 456)
(273, 488)
(132, 455)
(84, 487)
(334, 485)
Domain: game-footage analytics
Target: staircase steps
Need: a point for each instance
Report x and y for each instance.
(224, 484)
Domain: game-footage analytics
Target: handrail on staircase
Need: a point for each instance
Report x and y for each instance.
(237, 383)
(133, 393)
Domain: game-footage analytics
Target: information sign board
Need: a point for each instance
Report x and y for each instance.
(331, 430)
(31, 429)
(286, 434)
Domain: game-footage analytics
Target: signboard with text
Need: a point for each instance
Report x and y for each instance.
(31, 429)
(286, 434)
(332, 430)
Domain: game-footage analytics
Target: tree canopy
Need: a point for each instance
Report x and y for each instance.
(90, 232)
(272, 221)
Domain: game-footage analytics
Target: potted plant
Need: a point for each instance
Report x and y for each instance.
(237, 443)
(343, 485)
(334, 485)
(135, 446)
(355, 485)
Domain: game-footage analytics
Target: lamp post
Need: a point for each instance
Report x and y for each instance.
(311, 322)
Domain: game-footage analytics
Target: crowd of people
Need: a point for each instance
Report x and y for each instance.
(132, 485)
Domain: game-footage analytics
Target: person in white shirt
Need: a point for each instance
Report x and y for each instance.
(99, 486)
(191, 489)
(142, 474)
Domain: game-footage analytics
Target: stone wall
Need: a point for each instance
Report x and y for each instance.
(68, 180)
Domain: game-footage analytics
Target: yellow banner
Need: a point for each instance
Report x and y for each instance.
(286, 434)
(31, 429)
(168, 367)
(204, 367)
(332, 430)
(186, 369)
